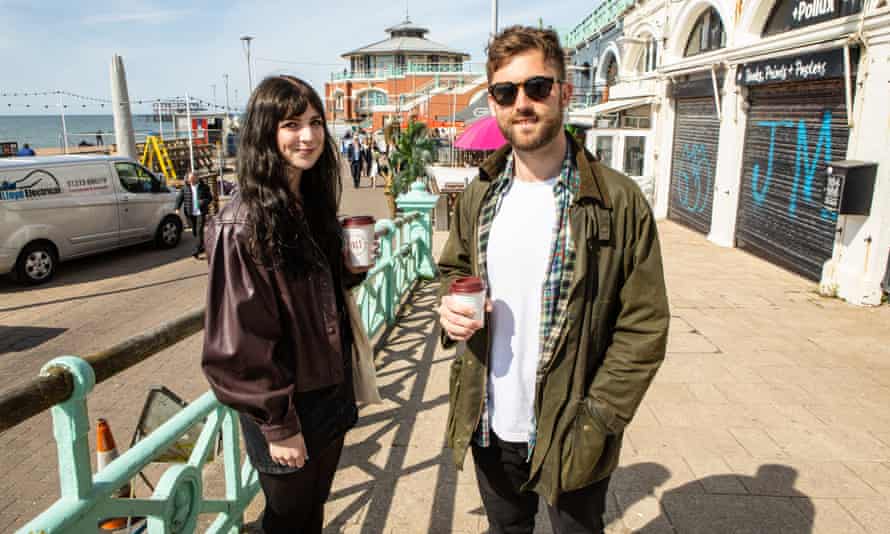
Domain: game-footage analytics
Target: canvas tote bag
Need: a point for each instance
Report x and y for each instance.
(364, 374)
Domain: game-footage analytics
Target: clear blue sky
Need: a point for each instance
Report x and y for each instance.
(171, 47)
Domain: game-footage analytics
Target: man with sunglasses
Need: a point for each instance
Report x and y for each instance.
(577, 313)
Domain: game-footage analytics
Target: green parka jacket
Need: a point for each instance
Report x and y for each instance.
(613, 343)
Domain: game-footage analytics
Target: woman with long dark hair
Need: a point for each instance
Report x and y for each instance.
(278, 341)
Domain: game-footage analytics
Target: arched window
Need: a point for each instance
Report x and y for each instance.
(648, 61)
(707, 34)
(611, 73)
(586, 73)
(374, 97)
(338, 100)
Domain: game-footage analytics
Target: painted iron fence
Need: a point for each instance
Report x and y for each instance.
(179, 500)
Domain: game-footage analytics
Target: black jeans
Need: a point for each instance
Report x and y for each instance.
(502, 469)
(295, 501)
(356, 172)
(197, 223)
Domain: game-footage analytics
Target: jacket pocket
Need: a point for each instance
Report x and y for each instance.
(453, 390)
(582, 448)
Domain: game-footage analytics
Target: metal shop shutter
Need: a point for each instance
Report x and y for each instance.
(694, 163)
(793, 131)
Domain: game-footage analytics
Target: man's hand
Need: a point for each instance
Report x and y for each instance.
(289, 451)
(456, 318)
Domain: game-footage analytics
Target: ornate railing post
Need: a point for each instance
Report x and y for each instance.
(423, 203)
(71, 428)
(388, 290)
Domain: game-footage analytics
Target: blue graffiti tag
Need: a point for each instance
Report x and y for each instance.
(804, 165)
(758, 191)
(696, 160)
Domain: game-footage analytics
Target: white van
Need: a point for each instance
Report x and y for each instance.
(56, 208)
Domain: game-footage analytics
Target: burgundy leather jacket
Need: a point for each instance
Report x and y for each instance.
(267, 336)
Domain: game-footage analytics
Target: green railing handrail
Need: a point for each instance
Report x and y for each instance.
(395, 71)
(604, 14)
(178, 500)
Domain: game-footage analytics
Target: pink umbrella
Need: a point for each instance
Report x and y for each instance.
(483, 134)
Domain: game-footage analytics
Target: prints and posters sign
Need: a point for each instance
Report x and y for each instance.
(802, 68)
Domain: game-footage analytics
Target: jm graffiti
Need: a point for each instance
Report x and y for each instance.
(696, 178)
(806, 164)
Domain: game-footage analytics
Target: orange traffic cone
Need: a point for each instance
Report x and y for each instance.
(106, 451)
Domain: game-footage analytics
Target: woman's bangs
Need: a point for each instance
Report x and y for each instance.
(294, 103)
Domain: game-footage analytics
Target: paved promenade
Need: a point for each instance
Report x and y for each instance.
(769, 415)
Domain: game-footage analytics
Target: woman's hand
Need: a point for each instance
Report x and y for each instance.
(289, 451)
(375, 253)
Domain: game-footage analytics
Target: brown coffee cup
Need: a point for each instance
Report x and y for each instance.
(470, 290)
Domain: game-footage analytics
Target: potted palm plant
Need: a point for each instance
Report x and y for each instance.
(411, 153)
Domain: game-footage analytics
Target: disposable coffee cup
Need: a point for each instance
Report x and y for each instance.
(358, 233)
(470, 291)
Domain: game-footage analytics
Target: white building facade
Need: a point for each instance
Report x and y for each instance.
(757, 107)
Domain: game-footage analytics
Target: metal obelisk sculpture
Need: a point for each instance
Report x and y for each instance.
(120, 103)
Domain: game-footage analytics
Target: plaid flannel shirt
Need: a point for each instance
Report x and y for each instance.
(555, 290)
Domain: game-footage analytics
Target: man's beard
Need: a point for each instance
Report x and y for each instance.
(550, 127)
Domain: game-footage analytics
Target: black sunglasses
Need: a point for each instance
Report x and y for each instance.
(537, 88)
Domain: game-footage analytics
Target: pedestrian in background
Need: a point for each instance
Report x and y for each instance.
(367, 155)
(25, 151)
(375, 164)
(355, 156)
(278, 336)
(572, 339)
(345, 142)
(382, 165)
(196, 196)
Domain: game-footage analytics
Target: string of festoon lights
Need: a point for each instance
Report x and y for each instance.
(87, 102)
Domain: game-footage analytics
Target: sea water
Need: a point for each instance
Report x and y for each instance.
(45, 131)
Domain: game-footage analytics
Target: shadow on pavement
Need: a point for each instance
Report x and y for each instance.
(406, 359)
(22, 338)
(102, 293)
(120, 262)
(726, 503)
(390, 451)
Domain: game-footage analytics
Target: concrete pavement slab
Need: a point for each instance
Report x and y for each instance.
(778, 425)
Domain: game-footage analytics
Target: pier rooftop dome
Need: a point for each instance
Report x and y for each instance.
(407, 37)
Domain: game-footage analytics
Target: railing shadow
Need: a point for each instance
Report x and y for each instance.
(393, 449)
(393, 431)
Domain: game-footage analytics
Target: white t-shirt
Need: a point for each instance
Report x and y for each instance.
(518, 255)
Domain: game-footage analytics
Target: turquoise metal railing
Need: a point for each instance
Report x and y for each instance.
(393, 71)
(604, 14)
(405, 256)
(178, 500)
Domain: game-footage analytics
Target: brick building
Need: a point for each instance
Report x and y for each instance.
(403, 76)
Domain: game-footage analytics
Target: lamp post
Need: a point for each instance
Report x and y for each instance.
(494, 19)
(213, 88)
(226, 78)
(246, 39)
